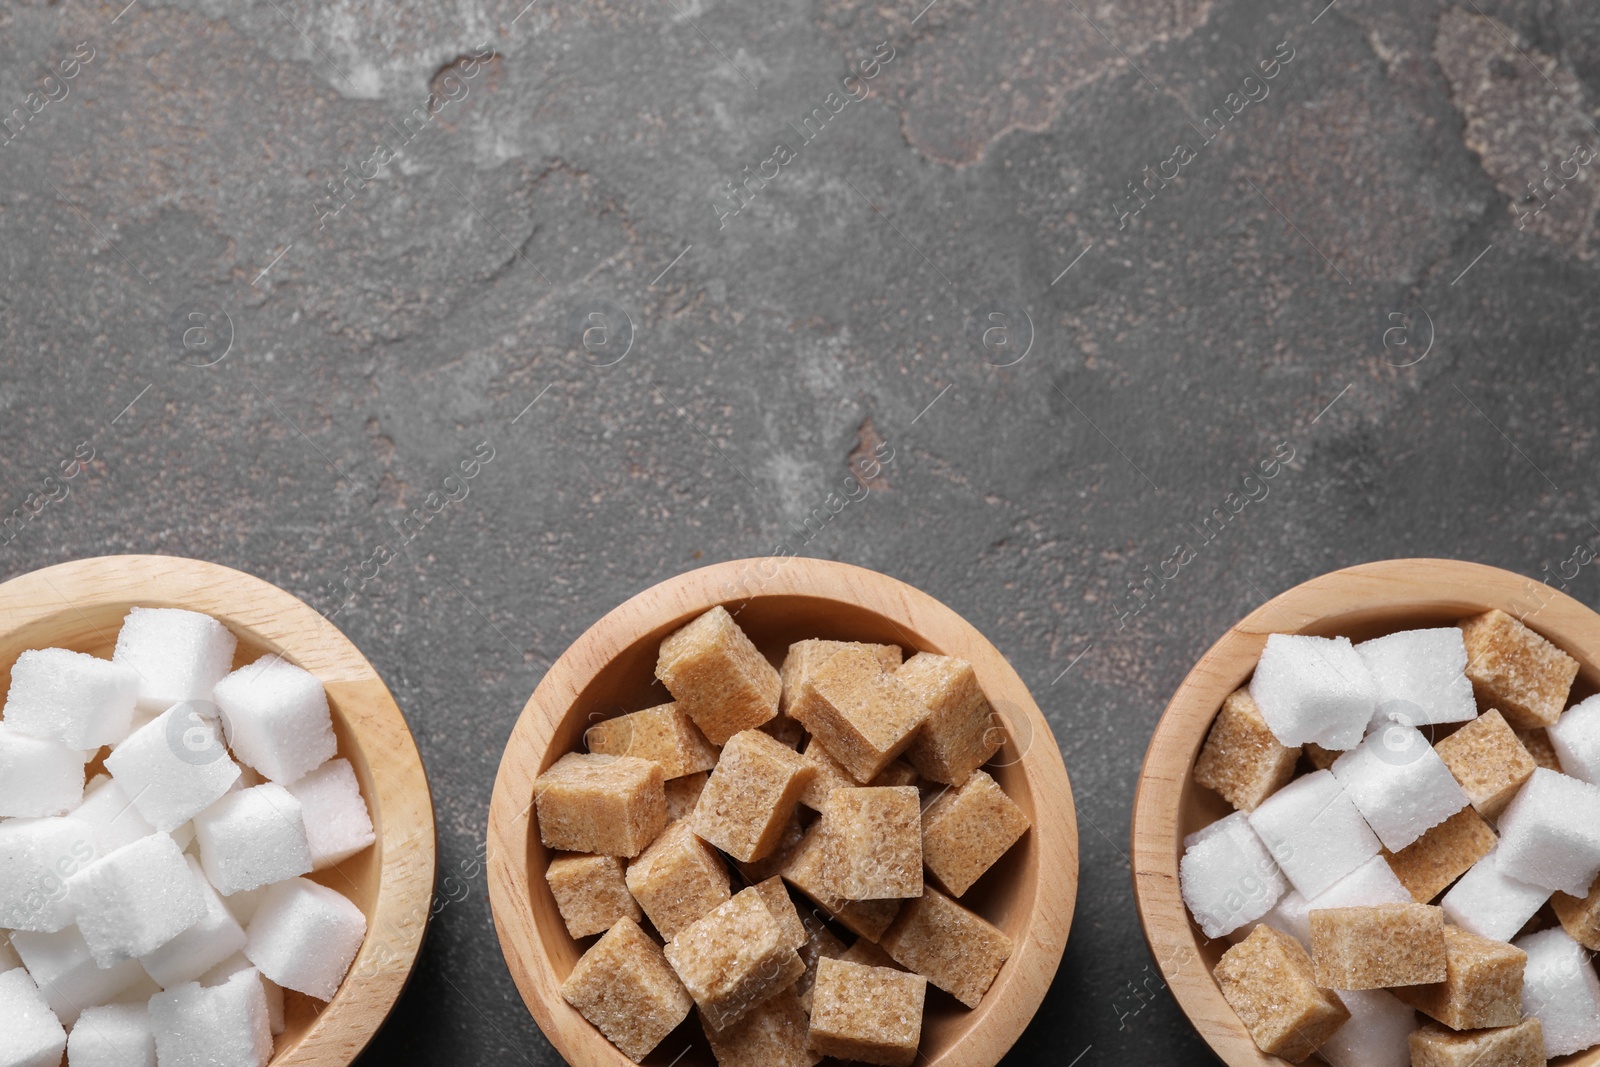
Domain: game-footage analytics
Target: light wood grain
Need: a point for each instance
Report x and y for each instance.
(80, 605)
(1359, 603)
(610, 669)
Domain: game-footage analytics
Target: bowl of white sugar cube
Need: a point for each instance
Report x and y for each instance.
(1367, 831)
(216, 837)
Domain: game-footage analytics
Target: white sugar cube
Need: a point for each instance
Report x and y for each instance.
(1420, 676)
(252, 838)
(37, 856)
(178, 655)
(305, 936)
(66, 974)
(1576, 739)
(1227, 877)
(1550, 833)
(174, 766)
(1314, 689)
(202, 946)
(132, 902)
(80, 700)
(1370, 884)
(1399, 784)
(38, 777)
(1313, 830)
(111, 815)
(1377, 1034)
(8, 955)
(244, 904)
(277, 718)
(30, 1034)
(1487, 902)
(238, 962)
(1559, 986)
(337, 823)
(112, 1035)
(223, 1025)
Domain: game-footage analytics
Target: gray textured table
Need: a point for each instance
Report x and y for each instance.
(281, 265)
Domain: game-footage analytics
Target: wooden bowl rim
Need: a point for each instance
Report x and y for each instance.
(277, 619)
(1386, 586)
(1023, 981)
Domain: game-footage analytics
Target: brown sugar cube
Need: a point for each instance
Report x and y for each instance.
(591, 893)
(678, 879)
(733, 958)
(1267, 980)
(873, 842)
(751, 795)
(1319, 757)
(606, 805)
(786, 731)
(804, 657)
(776, 898)
(1521, 1045)
(864, 951)
(1514, 669)
(1379, 946)
(1428, 865)
(967, 830)
(1580, 918)
(831, 775)
(683, 794)
(962, 732)
(821, 944)
(624, 987)
(774, 862)
(804, 869)
(897, 773)
(951, 947)
(1241, 759)
(1482, 986)
(717, 676)
(863, 716)
(867, 1014)
(1537, 742)
(773, 1034)
(664, 734)
(1488, 761)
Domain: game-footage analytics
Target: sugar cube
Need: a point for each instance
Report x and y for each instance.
(773, 1034)
(304, 936)
(678, 879)
(202, 946)
(1227, 877)
(178, 655)
(336, 819)
(896, 774)
(111, 816)
(683, 794)
(1516, 670)
(955, 949)
(1560, 988)
(606, 805)
(800, 663)
(1550, 834)
(1241, 759)
(718, 677)
(1378, 946)
(1488, 760)
(276, 717)
(1429, 864)
(1320, 758)
(1576, 740)
(8, 957)
(961, 732)
(1537, 742)
(1521, 1045)
(274, 992)
(135, 900)
(803, 868)
(663, 733)
(1268, 981)
(1314, 689)
(966, 831)
(783, 729)
(820, 943)
(252, 838)
(751, 795)
(733, 958)
(1420, 676)
(80, 700)
(864, 951)
(781, 906)
(113, 1035)
(625, 988)
(38, 777)
(591, 893)
(223, 1025)
(1377, 1034)
(829, 775)
(1482, 986)
(873, 842)
(867, 1014)
(1399, 784)
(1580, 918)
(1371, 883)
(67, 976)
(862, 715)
(1314, 831)
(37, 856)
(33, 1035)
(174, 766)
(1490, 903)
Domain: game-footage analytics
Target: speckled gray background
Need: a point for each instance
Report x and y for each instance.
(1352, 267)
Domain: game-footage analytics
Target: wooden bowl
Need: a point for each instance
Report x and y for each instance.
(610, 669)
(80, 605)
(1358, 603)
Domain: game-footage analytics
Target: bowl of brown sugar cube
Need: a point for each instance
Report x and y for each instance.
(1367, 830)
(779, 810)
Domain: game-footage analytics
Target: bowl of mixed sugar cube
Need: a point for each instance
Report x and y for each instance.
(1367, 830)
(216, 837)
(777, 810)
